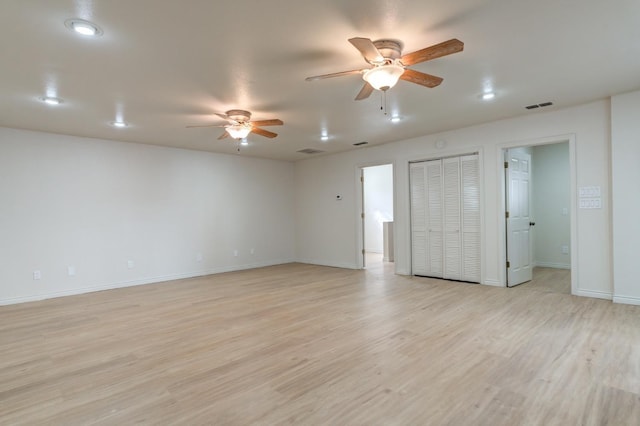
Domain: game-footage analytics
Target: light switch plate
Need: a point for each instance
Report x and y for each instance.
(590, 203)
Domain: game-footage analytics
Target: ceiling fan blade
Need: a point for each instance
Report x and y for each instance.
(223, 116)
(208, 125)
(367, 48)
(335, 74)
(365, 92)
(262, 132)
(436, 51)
(273, 122)
(421, 78)
(224, 135)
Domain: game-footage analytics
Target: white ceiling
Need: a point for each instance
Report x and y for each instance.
(164, 64)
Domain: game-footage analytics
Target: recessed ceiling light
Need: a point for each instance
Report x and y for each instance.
(119, 124)
(51, 100)
(395, 119)
(83, 27)
(488, 96)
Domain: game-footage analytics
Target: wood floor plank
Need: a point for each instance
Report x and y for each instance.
(306, 344)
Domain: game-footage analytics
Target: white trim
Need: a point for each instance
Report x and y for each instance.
(627, 300)
(494, 283)
(359, 204)
(360, 208)
(553, 265)
(573, 172)
(448, 153)
(137, 282)
(595, 294)
(343, 265)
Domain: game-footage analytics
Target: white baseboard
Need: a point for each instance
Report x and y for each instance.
(344, 265)
(627, 300)
(136, 282)
(595, 294)
(553, 265)
(492, 282)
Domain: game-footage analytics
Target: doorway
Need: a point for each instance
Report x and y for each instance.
(377, 215)
(538, 212)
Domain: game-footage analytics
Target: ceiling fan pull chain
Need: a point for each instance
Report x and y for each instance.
(383, 101)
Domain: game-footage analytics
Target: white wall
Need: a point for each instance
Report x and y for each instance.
(378, 204)
(328, 233)
(625, 160)
(551, 204)
(95, 205)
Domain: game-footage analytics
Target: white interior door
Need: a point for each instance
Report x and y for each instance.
(445, 218)
(435, 233)
(418, 197)
(452, 216)
(362, 219)
(470, 184)
(518, 193)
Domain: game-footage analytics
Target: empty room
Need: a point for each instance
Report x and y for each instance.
(319, 213)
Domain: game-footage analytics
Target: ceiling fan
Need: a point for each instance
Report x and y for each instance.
(240, 125)
(389, 64)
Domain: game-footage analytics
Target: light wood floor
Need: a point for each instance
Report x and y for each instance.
(310, 345)
(549, 280)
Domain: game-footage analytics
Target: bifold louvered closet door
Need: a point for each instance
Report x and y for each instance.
(445, 218)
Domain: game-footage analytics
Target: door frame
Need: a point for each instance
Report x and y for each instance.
(573, 217)
(406, 227)
(360, 221)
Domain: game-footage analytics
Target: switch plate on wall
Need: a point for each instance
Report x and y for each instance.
(590, 203)
(589, 191)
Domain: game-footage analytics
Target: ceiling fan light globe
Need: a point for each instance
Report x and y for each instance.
(383, 77)
(238, 131)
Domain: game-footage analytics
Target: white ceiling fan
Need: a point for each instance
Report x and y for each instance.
(388, 64)
(240, 125)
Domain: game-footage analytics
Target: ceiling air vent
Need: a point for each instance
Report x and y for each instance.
(542, 105)
(360, 143)
(310, 151)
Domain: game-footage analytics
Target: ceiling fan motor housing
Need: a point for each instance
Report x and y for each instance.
(239, 115)
(389, 49)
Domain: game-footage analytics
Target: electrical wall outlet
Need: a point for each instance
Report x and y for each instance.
(565, 249)
(37, 275)
(235, 253)
(130, 264)
(71, 270)
(253, 251)
(198, 257)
